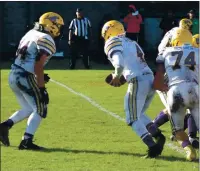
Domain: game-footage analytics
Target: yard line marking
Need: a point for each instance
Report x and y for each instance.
(92, 102)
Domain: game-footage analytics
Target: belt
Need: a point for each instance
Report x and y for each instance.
(145, 73)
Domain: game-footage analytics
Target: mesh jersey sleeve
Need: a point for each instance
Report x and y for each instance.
(46, 44)
(166, 40)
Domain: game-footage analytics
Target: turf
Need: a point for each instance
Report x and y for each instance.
(80, 137)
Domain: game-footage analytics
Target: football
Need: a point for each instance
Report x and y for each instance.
(109, 78)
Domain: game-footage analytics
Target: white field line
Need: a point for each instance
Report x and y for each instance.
(92, 102)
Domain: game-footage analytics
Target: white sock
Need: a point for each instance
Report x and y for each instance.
(33, 123)
(20, 115)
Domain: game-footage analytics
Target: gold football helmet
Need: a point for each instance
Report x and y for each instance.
(195, 40)
(52, 23)
(111, 29)
(180, 37)
(185, 24)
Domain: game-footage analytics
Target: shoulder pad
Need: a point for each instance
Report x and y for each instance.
(114, 44)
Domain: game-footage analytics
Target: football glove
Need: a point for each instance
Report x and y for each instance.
(44, 95)
(46, 78)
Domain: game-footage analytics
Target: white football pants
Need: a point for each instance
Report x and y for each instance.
(180, 97)
(138, 98)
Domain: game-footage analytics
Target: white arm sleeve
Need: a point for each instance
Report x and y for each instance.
(117, 59)
(164, 42)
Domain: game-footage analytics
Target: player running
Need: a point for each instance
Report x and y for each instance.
(26, 78)
(128, 60)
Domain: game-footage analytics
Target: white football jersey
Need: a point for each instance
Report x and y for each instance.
(133, 56)
(181, 63)
(166, 40)
(29, 47)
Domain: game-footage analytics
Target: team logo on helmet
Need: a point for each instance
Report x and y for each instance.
(52, 18)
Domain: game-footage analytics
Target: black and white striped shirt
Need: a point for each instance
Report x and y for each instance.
(80, 27)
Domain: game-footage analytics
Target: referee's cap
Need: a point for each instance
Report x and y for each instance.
(79, 10)
(191, 12)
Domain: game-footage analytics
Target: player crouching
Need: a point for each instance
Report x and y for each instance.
(27, 79)
(179, 63)
(128, 60)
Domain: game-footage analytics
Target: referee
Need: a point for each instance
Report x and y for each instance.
(79, 36)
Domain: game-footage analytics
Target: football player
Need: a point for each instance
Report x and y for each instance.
(179, 63)
(162, 118)
(195, 40)
(26, 78)
(127, 57)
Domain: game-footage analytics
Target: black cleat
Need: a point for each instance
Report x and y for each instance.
(160, 140)
(154, 151)
(29, 145)
(194, 142)
(4, 134)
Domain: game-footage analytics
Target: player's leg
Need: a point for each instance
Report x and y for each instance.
(193, 126)
(151, 127)
(195, 108)
(39, 112)
(192, 129)
(134, 102)
(162, 118)
(18, 116)
(178, 101)
(193, 120)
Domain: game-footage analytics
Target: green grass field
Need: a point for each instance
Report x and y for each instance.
(80, 137)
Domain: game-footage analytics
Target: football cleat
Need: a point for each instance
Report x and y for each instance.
(154, 151)
(190, 153)
(28, 144)
(160, 140)
(4, 134)
(194, 142)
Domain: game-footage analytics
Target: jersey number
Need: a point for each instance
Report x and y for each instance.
(189, 60)
(21, 52)
(140, 54)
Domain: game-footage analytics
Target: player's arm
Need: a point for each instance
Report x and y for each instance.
(159, 80)
(165, 41)
(46, 48)
(39, 67)
(118, 63)
(113, 50)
